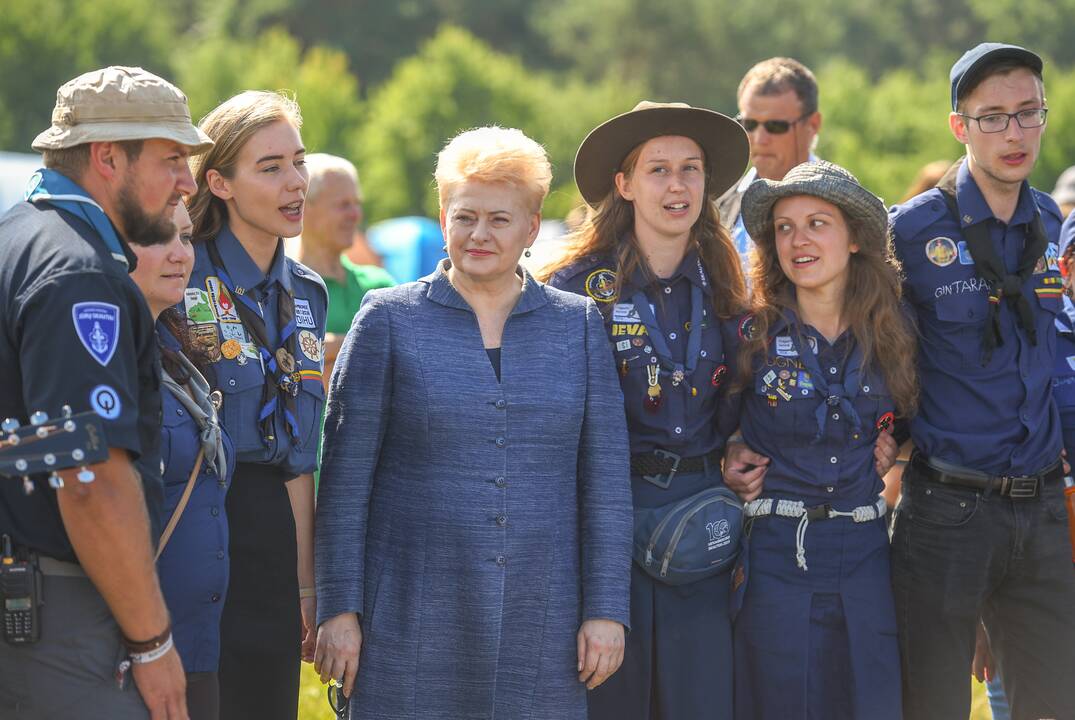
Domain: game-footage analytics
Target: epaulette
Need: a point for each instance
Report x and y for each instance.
(306, 273)
(912, 217)
(1047, 205)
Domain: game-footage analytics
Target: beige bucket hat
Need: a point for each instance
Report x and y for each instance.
(120, 103)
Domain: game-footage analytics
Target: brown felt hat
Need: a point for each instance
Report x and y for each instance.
(120, 103)
(723, 140)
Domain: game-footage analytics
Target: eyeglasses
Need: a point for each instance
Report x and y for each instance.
(773, 127)
(337, 700)
(998, 122)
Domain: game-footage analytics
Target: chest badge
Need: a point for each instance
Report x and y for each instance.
(941, 251)
(886, 421)
(601, 285)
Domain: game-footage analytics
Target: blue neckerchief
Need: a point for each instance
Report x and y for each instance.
(833, 394)
(53, 188)
(660, 344)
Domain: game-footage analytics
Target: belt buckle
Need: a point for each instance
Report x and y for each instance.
(1022, 486)
(820, 512)
(656, 479)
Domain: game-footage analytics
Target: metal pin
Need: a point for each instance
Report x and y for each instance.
(27, 485)
(69, 425)
(21, 465)
(55, 481)
(13, 439)
(85, 475)
(9, 425)
(38, 418)
(49, 459)
(42, 431)
(66, 411)
(77, 455)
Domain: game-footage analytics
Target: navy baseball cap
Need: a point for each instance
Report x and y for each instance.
(968, 68)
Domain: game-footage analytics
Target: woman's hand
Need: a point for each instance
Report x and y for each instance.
(885, 452)
(600, 645)
(308, 608)
(339, 642)
(744, 470)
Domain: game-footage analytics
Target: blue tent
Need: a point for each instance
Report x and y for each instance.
(411, 247)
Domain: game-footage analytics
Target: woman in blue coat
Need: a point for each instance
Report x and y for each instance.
(193, 556)
(822, 370)
(473, 516)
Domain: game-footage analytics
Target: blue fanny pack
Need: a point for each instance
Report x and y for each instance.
(691, 539)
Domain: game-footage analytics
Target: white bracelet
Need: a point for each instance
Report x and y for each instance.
(154, 654)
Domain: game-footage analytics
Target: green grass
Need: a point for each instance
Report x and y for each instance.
(314, 706)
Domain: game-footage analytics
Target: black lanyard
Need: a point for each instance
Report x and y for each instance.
(281, 363)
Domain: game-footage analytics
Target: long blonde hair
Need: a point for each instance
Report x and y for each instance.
(608, 230)
(231, 125)
(871, 305)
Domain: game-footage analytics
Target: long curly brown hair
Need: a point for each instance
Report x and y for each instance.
(872, 307)
(608, 230)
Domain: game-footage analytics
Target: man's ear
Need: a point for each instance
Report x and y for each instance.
(958, 125)
(106, 159)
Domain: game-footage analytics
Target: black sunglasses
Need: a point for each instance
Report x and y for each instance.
(773, 127)
(337, 700)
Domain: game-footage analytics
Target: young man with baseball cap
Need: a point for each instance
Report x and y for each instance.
(981, 532)
(76, 332)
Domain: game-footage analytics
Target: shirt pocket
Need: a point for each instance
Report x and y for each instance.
(1049, 289)
(241, 386)
(963, 320)
(309, 404)
(793, 401)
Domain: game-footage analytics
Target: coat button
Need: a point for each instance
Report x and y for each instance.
(671, 336)
(214, 511)
(836, 416)
(832, 371)
(501, 520)
(833, 460)
(501, 404)
(830, 488)
(231, 381)
(500, 442)
(500, 482)
(668, 290)
(501, 560)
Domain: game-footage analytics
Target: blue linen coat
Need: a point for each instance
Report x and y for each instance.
(473, 525)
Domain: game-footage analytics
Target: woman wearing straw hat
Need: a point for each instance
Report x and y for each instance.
(654, 257)
(822, 367)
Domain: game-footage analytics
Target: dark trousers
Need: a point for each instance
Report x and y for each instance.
(959, 555)
(71, 671)
(261, 629)
(203, 696)
(677, 664)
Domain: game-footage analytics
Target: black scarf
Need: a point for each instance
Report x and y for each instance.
(1003, 285)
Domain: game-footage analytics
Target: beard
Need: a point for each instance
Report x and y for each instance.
(140, 227)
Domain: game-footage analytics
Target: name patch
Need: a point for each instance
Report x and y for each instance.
(959, 287)
(304, 316)
(222, 301)
(785, 347)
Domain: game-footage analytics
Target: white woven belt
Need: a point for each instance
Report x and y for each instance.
(762, 507)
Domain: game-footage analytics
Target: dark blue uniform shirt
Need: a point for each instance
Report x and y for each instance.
(193, 568)
(214, 320)
(1064, 374)
(74, 330)
(683, 420)
(999, 418)
(777, 415)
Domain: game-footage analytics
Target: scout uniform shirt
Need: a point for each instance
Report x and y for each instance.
(663, 411)
(998, 417)
(74, 330)
(1064, 374)
(242, 367)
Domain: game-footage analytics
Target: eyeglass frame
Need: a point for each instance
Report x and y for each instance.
(743, 120)
(1008, 119)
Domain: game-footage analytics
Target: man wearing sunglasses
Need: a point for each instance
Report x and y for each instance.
(778, 108)
(980, 533)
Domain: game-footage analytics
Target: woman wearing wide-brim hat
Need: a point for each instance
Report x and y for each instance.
(822, 369)
(653, 255)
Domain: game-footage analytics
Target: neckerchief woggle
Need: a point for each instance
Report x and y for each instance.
(254, 321)
(53, 188)
(834, 395)
(660, 344)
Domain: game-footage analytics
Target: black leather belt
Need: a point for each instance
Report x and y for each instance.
(1013, 486)
(660, 466)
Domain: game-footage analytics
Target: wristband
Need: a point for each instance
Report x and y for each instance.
(148, 645)
(307, 592)
(142, 658)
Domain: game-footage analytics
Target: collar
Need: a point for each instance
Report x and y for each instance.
(690, 267)
(752, 174)
(975, 209)
(242, 269)
(54, 188)
(442, 292)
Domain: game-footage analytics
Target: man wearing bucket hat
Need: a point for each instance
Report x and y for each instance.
(654, 258)
(980, 531)
(76, 332)
(819, 372)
